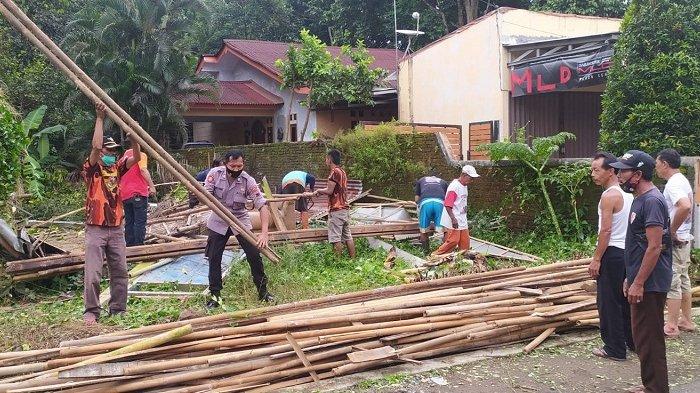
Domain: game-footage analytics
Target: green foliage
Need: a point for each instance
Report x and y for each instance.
(139, 52)
(371, 156)
(534, 156)
(37, 149)
(609, 8)
(310, 65)
(12, 145)
(652, 99)
(569, 180)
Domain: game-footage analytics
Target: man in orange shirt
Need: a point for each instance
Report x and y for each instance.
(104, 222)
(134, 188)
(339, 210)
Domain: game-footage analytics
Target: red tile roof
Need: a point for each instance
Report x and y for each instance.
(265, 53)
(238, 93)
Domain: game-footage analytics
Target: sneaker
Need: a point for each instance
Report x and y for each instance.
(214, 302)
(266, 297)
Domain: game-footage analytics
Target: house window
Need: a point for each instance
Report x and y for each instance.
(293, 117)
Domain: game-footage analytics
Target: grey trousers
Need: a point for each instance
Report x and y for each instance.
(105, 243)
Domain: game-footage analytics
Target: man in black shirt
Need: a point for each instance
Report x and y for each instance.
(648, 267)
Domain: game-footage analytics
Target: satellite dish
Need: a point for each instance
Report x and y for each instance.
(411, 33)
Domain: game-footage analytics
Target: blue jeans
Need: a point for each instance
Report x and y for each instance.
(135, 217)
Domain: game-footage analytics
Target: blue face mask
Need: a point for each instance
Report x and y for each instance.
(109, 160)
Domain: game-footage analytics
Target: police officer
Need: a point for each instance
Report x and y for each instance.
(233, 187)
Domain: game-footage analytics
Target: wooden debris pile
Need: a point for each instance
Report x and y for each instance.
(38, 268)
(266, 349)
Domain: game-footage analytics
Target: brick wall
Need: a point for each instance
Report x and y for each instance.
(493, 190)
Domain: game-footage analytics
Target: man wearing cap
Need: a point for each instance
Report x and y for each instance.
(679, 197)
(430, 197)
(648, 267)
(295, 182)
(104, 220)
(454, 213)
(135, 187)
(608, 264)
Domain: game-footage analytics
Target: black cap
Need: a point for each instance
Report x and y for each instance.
(109, 143)
(637, 160)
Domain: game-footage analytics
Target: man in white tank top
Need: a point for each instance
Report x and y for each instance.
(608, 265)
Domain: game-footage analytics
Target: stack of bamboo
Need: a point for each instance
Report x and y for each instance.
(38, 268)
(266, 349)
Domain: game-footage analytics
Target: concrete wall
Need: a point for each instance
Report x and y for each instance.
(329, 122)
(463, 78)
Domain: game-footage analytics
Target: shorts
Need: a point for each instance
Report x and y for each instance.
(339, 226)
(430, 210)
(302, 204)
(680, 282)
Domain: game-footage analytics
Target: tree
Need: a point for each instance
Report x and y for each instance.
(139, 52)
(28, 78)
(309, 65)
(607, 8)
(652, 99)
(534, 157)
(12, 142)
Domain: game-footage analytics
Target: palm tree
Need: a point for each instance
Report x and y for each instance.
(139, 52)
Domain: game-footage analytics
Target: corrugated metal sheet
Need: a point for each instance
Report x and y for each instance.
(550, 113)
(320, 202)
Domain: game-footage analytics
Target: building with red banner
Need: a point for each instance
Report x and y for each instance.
(513, 68)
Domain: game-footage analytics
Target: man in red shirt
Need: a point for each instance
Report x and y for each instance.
(339, 212)
(134, 188)
(104, 219)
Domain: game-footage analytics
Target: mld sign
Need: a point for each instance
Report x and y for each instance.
(561, 74)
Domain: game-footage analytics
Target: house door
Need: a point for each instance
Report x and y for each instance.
(258, 132)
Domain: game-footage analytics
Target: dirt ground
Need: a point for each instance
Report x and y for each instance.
(557, 369)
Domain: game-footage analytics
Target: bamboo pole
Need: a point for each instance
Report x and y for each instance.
(537, 341)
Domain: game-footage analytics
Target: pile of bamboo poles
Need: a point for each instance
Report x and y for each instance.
(265, 349)
(39, 268)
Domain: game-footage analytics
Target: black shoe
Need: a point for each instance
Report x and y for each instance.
(266, 297)
(214, 302)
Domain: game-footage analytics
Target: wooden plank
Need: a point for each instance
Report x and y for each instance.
(302, 356)
(369, 355)
(376, 244)
(274, 211)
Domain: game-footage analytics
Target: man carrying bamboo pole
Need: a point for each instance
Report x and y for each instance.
(648, 258)
(608, 264)
(339, 210)
(104, 222)
(231, 185)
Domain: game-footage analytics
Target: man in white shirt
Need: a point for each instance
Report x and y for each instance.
(608, 265)
(454, 213)
(679, 197)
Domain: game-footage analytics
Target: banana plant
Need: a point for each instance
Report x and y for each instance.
(38, 148)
